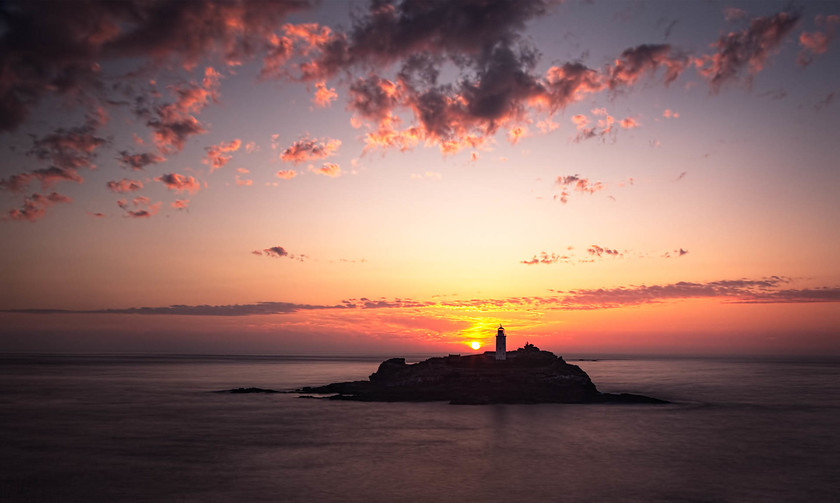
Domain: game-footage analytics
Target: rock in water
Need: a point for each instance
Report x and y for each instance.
(528, 375)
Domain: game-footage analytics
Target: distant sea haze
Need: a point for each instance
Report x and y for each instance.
(143, 428)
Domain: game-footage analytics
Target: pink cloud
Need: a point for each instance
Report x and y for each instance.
(286, 174)
(307, 149)
(329, 169)
(219, 155)
(816, 43)
(324, 96)
(545, 258)
(124, 185)
(180, 204)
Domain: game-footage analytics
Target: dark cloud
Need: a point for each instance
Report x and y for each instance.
(179, 183)
(276, 251)
(57, 47)
(637, 61)
(47, 177)
(766, 290)
(66, 150)
(200, 310)
(392, 31)
(748, 48)
(280, 252)
(826, 101)
(577, 184)
(383, 303)
(743, 290)
(139, 161)
(35, 206)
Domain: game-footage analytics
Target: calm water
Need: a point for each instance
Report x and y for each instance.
(103, 428)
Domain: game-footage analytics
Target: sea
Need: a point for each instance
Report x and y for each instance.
(149, 428)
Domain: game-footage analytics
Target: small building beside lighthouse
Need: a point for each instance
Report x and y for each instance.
(501, 346)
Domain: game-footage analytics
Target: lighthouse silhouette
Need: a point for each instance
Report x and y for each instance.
(501, 352)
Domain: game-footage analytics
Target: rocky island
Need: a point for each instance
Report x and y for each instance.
(527, 375)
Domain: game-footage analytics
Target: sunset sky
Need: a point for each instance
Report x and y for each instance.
(365, 178)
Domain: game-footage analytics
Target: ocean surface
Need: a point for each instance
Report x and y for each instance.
(149, 428)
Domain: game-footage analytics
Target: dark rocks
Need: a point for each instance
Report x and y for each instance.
(248, 390)
(528, 375)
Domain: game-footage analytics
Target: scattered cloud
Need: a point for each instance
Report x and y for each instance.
(329, 169)
(286, 174)
(545, 258)
(279, 252)
(748, 48)
(139, 207)
(577, 184)
(596, 252)
(599, 251)
(816, 42)
(179, 183)
(219, 155)
(824, 102)
(35, 206)
(601, 125)
(308, 149)
(670, 114)
(139, 161)
(180, 204)
(324, 96)
(124, 185)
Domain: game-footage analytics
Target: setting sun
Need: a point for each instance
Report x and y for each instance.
(475, 344)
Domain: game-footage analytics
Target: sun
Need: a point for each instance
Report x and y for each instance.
(475, 344)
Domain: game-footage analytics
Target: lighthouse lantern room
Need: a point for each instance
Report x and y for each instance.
(501, 351)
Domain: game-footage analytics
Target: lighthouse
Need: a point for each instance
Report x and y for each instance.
(501, 351)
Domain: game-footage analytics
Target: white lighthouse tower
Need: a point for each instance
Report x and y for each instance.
(501, 351)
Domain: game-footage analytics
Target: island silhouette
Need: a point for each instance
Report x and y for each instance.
(526, 375)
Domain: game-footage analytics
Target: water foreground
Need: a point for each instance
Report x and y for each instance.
(148, 429)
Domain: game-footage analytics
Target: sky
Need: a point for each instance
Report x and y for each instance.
(296, 177)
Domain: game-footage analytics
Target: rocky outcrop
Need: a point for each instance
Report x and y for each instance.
(528, 375)
(247, 390)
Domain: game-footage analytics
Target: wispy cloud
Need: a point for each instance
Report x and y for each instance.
(770, 290)
(139, 207)
(746, 49)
